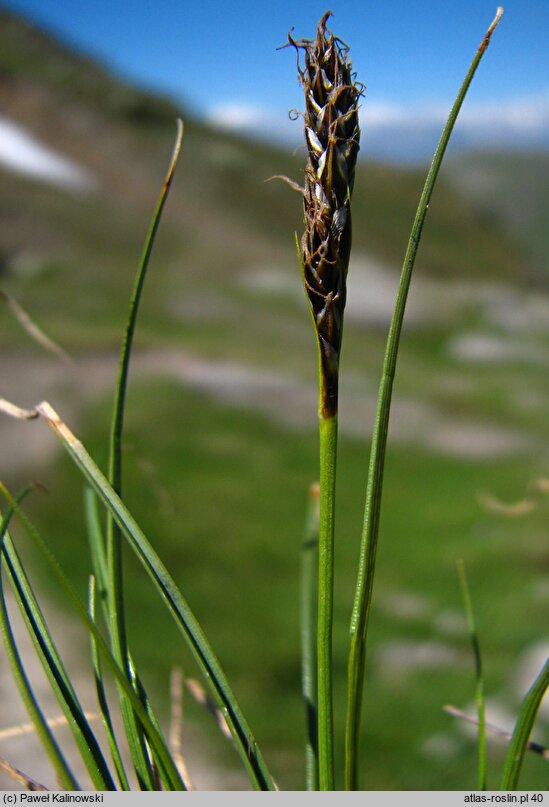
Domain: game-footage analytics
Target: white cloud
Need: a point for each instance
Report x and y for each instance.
(23, 153)
(514, 123)
(236, 115)
(524, 115)
(255, 120)
(381, 115)
(402, 132)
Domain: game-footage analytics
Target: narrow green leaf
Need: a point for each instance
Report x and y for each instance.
(102, 696)
(52, 749)
(309, 561)
(100, 568)
(370, 532)
(99, 564)
(177, 605)
(523, 728)
(168, 770)
(115, 587)
(50, 659)
(96, 542)
(115, 456)
(479, 678)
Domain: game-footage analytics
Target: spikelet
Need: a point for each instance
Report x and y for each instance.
(332, 136)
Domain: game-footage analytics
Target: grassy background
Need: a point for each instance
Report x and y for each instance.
(221, 488)
(227, 519)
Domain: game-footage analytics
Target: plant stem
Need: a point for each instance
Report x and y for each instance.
(365, 579)
(328, 450)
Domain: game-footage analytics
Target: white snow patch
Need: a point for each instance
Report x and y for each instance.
(23, 153)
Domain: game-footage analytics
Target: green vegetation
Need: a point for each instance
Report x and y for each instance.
(204, 470)
(218, 479)
(511, 189)
(224, 218)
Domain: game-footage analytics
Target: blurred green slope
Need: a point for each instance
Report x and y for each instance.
(69, 257)
(222, 215)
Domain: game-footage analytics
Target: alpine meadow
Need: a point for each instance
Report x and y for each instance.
(275, 463)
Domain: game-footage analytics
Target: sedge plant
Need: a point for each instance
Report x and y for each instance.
(332, 136)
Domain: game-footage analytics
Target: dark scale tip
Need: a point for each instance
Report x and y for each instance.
(332, 137)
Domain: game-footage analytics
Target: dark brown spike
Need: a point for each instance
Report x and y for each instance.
(332, 138)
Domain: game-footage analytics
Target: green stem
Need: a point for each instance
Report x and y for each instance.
(328, 450)
(365, 578)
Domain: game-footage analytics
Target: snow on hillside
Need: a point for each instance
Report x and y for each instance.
(25, 154)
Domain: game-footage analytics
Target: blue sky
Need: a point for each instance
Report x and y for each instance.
(220, 59)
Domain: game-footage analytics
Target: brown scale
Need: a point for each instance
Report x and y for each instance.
(332, 137)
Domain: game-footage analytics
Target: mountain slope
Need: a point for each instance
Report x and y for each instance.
(123, 136)
(511, 188)
(33, 59)
(220, 437)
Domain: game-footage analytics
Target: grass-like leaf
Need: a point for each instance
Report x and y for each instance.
(102, 696)
(309, 561)
(176, 724)
(18, 776)
(523, 729)
(115, 588)
(96, 543)
(184, 618)
(496, 731)
(368, 547)
(203, 699)
(52, 749)
(34, 331)
(159, 750)
(60, 683)
(99, 590)
(479, 679)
